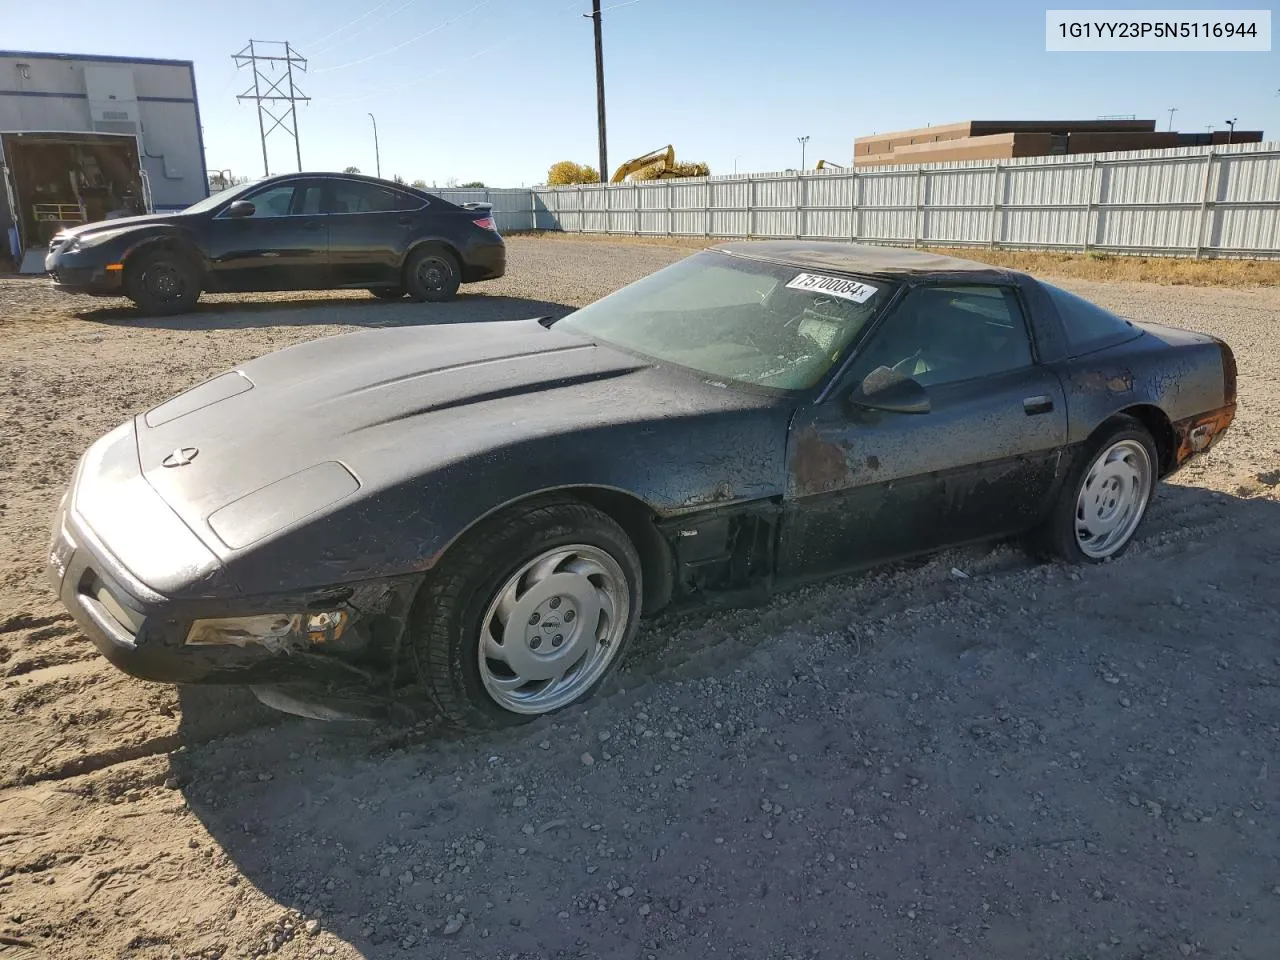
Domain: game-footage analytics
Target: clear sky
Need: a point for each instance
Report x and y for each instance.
(497, 90)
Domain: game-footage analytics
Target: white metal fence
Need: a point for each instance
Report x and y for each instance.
(513, 208)
(1219, 201)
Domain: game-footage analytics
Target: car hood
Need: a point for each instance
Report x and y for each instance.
(120, 223)
(460, 413)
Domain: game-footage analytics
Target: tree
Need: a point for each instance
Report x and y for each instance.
(399, 179)
(419, 184)
(350, 169)
(474, 185)
(567, 172)
(451, 182)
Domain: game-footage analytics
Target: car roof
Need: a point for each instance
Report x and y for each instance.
(861, 258)
(362, 178)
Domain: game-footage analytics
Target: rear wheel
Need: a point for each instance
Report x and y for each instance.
(432, 274)
(527, 615)
(387, 293)
(162, 283)
(1106, 496)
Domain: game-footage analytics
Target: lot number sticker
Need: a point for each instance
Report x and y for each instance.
(835, 286)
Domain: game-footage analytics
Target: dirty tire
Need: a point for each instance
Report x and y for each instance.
(1061, 535)
(432, 274)
(454, 605)
(162, 283)
(387, 293)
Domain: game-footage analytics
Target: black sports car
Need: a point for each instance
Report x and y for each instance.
(304, 231)
(479, 514)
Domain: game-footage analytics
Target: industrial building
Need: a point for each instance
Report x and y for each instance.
(1002, 139)
(85, 138)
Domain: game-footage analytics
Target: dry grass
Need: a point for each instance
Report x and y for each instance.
(1172, 271)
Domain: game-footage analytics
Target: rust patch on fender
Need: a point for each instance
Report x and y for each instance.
(819, 466)
(1197, 434)
(1095, 380)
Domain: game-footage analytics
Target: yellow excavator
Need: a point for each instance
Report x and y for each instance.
(823, 164)
(665, 156)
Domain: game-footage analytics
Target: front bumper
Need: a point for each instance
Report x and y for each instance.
(144, 633)
(77, 273)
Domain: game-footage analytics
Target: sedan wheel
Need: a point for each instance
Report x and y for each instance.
(527, 614)
(432, 274)
(162, 283)
(553, 629)
(1113, 498)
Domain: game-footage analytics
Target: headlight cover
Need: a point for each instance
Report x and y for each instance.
(278, 632)
(93, 239)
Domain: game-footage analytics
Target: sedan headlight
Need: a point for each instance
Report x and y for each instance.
(91, 240)
(278, 632)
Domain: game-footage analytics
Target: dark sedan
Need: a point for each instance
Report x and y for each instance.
(310, 231)
(479, 514)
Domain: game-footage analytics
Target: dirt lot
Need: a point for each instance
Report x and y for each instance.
(1024, 763)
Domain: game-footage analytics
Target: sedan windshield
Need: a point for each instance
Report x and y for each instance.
(221, 196)
(736, 319)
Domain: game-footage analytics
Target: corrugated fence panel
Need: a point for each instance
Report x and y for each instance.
(1222, 200)
(513, 209)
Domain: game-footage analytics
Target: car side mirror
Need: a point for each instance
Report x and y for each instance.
(241, 208)
(891, 391)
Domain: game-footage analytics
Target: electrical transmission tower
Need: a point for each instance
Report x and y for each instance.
(272, 86)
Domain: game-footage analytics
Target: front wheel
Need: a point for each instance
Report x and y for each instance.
(527, 615)
(162, 283)
(1106, 496)
(432, 274)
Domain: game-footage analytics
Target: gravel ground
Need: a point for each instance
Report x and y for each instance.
(1023, 762)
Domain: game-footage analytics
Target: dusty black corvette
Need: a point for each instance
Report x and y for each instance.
(480, 513)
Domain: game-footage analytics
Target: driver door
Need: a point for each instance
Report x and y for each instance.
(284, 245)
(865, 486)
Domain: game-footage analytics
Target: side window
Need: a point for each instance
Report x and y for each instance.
(307, 203)
(349, 196)
(1087, 325)
(948, 334)
(272, 202)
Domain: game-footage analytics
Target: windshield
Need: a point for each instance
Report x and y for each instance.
(736, 319)
(213, 199)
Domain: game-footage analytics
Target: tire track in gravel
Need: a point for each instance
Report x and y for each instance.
(70, 719)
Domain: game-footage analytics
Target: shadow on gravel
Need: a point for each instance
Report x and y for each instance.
(356, 310)
(1023, 762)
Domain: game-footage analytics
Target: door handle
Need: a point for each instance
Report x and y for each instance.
(312, 225)
(1035, 405)
(405, 221)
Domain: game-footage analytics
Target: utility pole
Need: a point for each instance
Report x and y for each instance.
(594, 16)
(267, 91)
(802, 141)
(1231, 128)
(1172, 111)
(377, 157)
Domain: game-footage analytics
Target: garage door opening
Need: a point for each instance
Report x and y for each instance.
(64, 179)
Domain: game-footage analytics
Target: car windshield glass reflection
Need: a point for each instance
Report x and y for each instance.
(737, 319)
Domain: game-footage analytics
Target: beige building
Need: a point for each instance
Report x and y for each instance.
(1002, 139)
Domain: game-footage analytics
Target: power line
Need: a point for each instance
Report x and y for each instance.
(420, 77)
(415, 81)
(316, 45)
(373, 23)
(405, 43)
